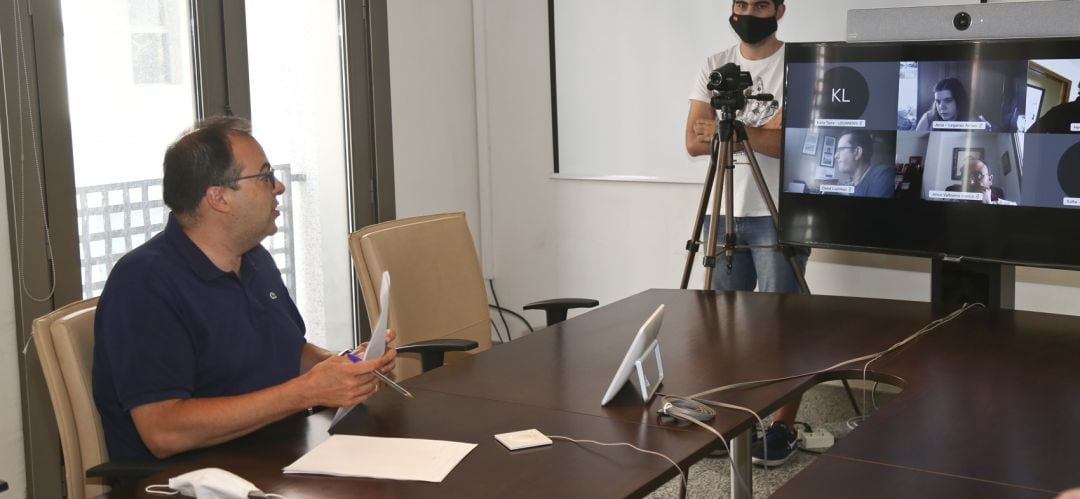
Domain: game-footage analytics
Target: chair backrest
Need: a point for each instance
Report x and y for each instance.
(437, 287)
(64, 340)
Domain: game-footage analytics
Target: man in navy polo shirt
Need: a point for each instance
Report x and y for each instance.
(197, 340)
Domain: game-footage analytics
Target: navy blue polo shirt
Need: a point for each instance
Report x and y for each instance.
(171, 325)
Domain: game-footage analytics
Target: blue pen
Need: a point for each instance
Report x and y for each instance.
(400, 389)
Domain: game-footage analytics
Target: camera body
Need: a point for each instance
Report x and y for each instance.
(961, 21)
(729, 78)
(729, 84)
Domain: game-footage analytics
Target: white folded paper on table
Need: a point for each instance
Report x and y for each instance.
(387, 458)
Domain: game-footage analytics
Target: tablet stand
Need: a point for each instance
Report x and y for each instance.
(647, 377)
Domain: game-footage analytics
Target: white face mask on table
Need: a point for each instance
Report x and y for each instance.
(210, 483)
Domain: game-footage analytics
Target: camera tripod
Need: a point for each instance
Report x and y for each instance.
(728, 130)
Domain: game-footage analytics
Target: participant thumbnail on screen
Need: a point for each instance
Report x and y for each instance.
(975, 167)
(848, 95)
(1053, 99)
(851, 162)
(1052, 170)
(961, 95)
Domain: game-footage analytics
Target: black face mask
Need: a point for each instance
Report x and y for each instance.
(752, 29)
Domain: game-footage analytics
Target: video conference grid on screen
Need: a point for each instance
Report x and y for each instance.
(1003, 132)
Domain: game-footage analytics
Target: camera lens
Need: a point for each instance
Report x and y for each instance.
(962, 21)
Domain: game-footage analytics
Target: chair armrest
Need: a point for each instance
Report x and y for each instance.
(131, 469)
(431, 351)
(440, 345)
(556, 308)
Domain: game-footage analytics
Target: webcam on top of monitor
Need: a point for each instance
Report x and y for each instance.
(964, 22)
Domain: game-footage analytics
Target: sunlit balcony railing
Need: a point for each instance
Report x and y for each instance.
(115, 218)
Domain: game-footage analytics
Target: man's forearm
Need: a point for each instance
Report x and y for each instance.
(311, 355)
(698, 148)
(764, 141)
(174, 426)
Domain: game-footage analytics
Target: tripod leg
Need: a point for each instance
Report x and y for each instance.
(729, 208)
(723, 181)
(699, 221)
(763, 189)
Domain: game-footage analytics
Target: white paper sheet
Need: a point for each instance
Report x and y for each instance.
(385, 458)
(377, 346)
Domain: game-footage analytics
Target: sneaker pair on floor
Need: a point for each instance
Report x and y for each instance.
(780, 441)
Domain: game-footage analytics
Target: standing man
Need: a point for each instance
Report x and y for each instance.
(764, 267)
(197, 340)
(854, 156)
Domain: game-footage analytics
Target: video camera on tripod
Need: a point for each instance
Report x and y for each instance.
(729, 84)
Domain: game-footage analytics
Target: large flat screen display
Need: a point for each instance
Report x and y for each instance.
(960, 149)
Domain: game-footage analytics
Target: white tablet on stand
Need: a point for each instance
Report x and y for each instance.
(641, 365)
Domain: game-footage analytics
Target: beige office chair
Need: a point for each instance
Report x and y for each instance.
(437, 292)
(64, 340)
(438, 301)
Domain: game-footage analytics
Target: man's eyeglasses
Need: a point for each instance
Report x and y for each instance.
(977, 175)
(266, 176)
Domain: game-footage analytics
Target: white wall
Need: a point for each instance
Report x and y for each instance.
(12, 467)
(433, 100)
(598, 239)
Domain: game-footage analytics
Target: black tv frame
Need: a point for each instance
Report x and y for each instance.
(969, 239)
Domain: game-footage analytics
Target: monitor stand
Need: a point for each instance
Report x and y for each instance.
(955, 282)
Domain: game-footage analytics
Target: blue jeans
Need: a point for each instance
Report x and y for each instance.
(764, 268)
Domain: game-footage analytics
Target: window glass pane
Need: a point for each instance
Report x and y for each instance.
(131, 92)
(294, 63)
(146, 13)
(150, 58)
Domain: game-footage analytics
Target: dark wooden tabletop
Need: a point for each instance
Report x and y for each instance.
(987, 382)
(564, 469)
(993, 396)
(707, 339)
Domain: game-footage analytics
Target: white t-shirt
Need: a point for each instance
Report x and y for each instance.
(768, 75)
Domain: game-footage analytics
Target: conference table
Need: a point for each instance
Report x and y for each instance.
(985, 399)
(989, 409)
